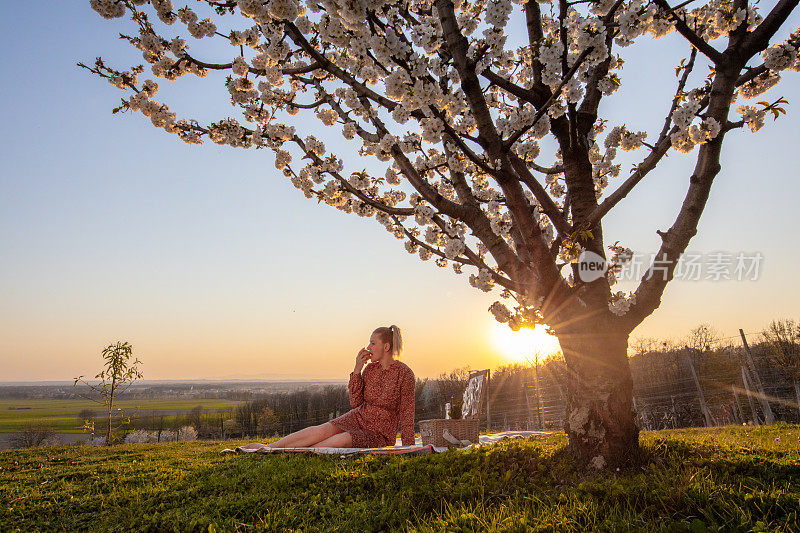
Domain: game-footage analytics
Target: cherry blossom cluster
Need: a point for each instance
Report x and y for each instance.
(754, 118)
(621, 256)
(385, 74)
(718, 18)
(526, 313)
(621, 302)
(688, 133)
(781, 56)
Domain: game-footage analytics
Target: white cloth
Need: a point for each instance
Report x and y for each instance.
(491, 438)
(484, 440)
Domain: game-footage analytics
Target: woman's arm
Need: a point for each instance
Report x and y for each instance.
(356, 388)
(356, 384)
(407, 408)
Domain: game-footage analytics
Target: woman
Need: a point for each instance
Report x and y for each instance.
(382, 397)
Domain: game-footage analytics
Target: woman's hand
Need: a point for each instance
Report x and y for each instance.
(362, 359)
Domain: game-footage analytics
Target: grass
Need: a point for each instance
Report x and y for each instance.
(720, 479)
(62, 415)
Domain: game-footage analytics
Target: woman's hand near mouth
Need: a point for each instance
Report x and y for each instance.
(362, 358)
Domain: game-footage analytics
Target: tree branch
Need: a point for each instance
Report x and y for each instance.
(659, 150)
(709, 51)
(758, 39)
(674, 242)
(518, 205)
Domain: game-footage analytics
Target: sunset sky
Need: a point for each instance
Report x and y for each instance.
(212, 265)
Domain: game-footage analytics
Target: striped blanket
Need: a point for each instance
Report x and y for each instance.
(417, 449)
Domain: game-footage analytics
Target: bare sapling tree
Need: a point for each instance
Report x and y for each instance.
(489, 157)
(782, 339)
(702, 338)
(118, 374)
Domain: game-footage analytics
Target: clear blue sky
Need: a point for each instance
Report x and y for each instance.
(211, 264)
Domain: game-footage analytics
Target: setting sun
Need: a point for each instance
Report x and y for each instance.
(521, 346)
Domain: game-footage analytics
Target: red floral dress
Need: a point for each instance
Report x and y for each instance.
(382, 400)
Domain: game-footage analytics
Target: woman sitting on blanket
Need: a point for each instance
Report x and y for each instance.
(382, 397)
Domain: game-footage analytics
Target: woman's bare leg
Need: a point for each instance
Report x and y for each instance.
(253, 445)
(340, 440)
(307, 436)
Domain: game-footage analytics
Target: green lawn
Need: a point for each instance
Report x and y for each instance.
(62, 415)
(722, 479)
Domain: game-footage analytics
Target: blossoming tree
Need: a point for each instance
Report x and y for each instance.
(456, 118)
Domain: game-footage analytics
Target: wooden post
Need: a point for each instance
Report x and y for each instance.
(561, 403)
(703, 407)
(528, 403)
(674, 414)
(749, 396)
(636, 410)
(797, 392)
(488, 395)
(538, 392)
(738, 407)
(768, 416)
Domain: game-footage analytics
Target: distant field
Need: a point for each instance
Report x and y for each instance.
(62, 414)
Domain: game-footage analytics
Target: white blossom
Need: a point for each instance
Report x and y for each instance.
(327, 116)
(283, 9)
(187, 433)
(282, 159)
(239, 66)
(621, 303)
(500, 312)
(108, 9)
(780, 56)
(753, 117)
(483, 280)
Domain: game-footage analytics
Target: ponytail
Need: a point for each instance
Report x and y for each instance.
(393, 336)
(397, 341)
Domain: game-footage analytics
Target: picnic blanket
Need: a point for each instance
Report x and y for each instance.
(416, 449)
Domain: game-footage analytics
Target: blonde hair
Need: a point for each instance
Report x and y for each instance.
(393, 336)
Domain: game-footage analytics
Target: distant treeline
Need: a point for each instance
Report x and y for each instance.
(530, 396)
(280, 413)
(227, 390)
(701, 379)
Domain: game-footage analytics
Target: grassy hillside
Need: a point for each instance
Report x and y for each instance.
(721, 479)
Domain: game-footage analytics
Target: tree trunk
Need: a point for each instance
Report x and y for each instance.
(108, 429)
(600, 419)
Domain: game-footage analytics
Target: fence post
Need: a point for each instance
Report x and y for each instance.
(703, 407)
(528, 403)
(488, 395)
(538, 407)
(749, 396)
(738, 407)
(674, 415)
(768, 416)
(797, 392)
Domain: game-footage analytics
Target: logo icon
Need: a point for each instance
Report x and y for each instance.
(591, 266)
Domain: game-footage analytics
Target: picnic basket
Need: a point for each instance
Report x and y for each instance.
(463, 431)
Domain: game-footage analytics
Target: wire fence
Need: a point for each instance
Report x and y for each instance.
(731, 383)
(681, 387)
